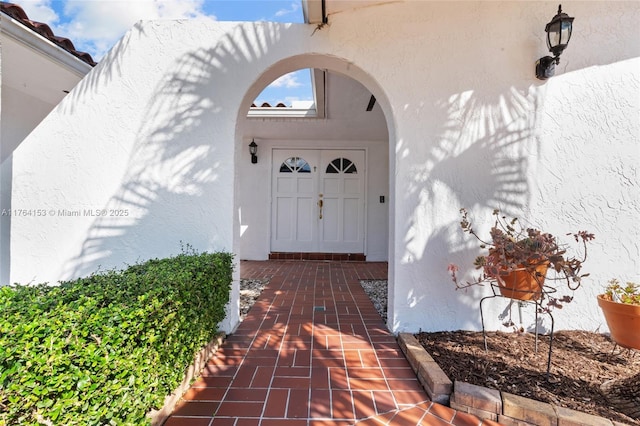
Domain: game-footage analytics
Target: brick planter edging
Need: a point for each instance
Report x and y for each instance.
(485, 403)
(435, 382)
(158, 417)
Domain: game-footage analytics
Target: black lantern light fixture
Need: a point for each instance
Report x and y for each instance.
(558, 36)
(253, 150)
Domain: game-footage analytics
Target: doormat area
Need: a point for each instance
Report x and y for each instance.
(339, 257)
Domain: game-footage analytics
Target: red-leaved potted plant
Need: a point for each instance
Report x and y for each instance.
(518, 258)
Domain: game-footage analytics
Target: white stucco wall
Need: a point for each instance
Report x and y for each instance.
(34, 74)
(19, 114)
(156, 131)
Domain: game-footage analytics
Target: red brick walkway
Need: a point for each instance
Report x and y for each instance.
(312, 351)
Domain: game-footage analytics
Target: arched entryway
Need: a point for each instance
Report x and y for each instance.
(320, 186)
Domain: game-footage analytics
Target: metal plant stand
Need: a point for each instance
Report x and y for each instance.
(495, 288)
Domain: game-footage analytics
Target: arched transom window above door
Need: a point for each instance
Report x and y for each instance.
(341, 165)
(295, 165)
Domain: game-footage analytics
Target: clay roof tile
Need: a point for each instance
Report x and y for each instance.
(43, 29)
(268, 105)
(17, 13)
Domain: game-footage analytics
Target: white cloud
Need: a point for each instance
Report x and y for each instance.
(95, 26)
(40, 11)
(294, 99)
(294, 8)
(288, 81)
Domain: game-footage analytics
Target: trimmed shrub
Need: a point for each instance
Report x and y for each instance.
(107, 348)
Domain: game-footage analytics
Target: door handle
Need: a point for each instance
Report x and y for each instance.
(320, 204)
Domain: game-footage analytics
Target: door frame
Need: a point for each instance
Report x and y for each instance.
(305, 147)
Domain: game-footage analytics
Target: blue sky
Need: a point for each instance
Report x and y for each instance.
(94, 26)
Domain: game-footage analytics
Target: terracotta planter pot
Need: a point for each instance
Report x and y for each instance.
(523, 284)
(623, 321)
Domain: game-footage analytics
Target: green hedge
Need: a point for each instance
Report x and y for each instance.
(108, 348)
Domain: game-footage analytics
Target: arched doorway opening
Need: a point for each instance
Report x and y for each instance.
(320, 188)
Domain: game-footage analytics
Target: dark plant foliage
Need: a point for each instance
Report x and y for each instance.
(107, 348)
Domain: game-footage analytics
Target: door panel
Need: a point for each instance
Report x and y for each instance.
(282, 210)
(342, 174)
(330, 228)
(293, 221)
(304, 219)
(350, 220)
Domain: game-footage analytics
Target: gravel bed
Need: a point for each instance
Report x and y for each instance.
(249, 292)
(377, 292)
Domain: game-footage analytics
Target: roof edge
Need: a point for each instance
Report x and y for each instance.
(42, 46)
(312, 11)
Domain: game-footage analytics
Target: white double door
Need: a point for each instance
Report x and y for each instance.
(318, 202)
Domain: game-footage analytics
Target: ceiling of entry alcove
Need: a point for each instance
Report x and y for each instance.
(347, 118)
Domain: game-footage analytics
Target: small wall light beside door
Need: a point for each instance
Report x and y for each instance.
(253, 150)
(558, 36)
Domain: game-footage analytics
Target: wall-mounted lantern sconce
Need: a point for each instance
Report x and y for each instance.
(253, 150)
(558, 35)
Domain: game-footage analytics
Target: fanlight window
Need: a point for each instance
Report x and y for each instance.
(295, 165)
(341, 165)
